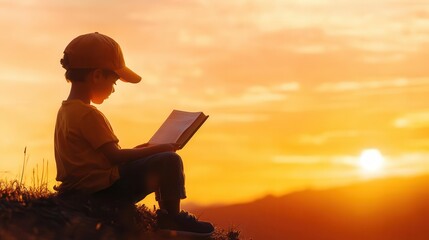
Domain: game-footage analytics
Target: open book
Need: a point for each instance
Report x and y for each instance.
(179, 127)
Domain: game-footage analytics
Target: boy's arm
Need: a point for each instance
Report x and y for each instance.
(142, 145)
(118, 156)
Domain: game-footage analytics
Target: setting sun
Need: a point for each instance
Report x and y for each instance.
(371, 160)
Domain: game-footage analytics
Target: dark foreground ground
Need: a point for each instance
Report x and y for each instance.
(40, 214)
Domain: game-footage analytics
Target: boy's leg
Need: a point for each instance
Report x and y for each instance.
(161, 173)
(171, 206)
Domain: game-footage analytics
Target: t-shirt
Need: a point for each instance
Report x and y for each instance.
(79, 131)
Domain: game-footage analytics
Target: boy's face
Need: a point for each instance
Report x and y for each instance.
(102, 85)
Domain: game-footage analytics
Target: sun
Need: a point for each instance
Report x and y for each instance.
(371, 160)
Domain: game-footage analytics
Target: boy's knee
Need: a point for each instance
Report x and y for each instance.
(175, 157)
(172, 159)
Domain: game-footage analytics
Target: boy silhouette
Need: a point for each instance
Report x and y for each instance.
(88, 158)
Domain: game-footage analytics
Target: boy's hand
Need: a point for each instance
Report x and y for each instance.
(117, 155)
(167, 147)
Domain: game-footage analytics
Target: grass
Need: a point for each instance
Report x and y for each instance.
(37, 213)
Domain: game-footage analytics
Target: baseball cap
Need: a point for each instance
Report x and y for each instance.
(95, 50)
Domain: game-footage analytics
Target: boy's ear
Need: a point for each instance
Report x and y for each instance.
(97, 75)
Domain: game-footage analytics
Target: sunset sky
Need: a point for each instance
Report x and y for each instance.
(295, 89)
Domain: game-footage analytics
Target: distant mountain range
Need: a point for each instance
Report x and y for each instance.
(384, 209)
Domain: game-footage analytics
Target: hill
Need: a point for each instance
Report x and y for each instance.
(37, 213)
(387, 209)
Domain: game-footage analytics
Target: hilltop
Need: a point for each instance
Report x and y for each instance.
(39, 214)
(388, 209)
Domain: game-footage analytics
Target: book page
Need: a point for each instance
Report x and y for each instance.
(175, 125)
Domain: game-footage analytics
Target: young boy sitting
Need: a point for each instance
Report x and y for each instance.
(88, 157)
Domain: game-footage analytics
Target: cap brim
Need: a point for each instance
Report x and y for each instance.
(126, 75)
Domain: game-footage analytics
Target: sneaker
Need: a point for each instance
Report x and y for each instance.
(183, 224)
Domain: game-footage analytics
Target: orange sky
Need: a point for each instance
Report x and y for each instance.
(295, 90)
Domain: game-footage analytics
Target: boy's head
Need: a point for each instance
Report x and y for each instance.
(92, 51)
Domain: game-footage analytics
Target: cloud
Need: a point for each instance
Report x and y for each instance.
(252, 95)
(237, 117)
(383, 58)
(346, 86)
(313, 49)
(288, 159)
(411, 163)
(345, 160)
(319, 139)
(198, 40)
(413, 120)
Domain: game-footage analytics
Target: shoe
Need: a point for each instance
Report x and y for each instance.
(183, 224)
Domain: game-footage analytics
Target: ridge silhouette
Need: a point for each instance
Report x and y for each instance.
(383, 209)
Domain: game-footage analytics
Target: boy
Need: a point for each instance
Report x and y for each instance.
(88, 157)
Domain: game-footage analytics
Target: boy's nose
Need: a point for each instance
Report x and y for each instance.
(113, 89)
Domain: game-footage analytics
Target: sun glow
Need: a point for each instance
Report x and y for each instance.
(371, 160)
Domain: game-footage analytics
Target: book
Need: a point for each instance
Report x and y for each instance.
(179, 127)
